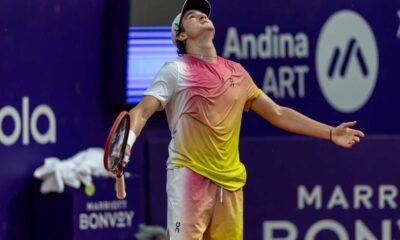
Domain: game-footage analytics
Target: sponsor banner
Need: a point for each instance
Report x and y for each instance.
(335, 62)
(305, 189)
(52, 100)
(91, 212)
(106, 214)
(103, 216)
(311, 190)
(24, 125)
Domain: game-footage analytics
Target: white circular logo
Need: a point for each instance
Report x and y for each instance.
(347, 61)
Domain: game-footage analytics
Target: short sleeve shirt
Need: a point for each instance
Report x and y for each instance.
(204, 103)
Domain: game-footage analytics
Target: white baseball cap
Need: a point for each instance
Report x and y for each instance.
(201, 5)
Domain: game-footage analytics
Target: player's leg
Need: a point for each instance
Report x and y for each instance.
(227, 218)
(190, 201)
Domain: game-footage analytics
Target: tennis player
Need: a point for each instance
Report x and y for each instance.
(204, 96)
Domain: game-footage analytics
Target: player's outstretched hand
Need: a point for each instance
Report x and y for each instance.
(344, 136)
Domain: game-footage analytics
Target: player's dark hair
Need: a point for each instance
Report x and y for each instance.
(181, 45)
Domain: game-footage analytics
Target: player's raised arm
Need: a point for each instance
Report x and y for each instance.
(139, 115)
(295, 122)
(142, 112)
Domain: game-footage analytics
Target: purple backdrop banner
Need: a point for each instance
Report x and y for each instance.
(53, 78)
(308, 189)
(334, 61)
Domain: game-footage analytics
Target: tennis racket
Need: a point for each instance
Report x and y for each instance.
(114, 151)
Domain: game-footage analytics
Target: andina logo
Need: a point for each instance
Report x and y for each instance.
(347, 61)
(27, 124)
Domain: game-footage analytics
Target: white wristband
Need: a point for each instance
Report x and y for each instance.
(131, 138)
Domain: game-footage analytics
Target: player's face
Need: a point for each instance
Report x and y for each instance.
(196, 22)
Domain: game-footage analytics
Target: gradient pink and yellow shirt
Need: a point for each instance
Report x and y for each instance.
(204, 103)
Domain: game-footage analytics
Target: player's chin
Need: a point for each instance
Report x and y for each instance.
(211, 31)
(208, 26)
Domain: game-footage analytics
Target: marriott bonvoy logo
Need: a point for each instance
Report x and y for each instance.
(347, 61)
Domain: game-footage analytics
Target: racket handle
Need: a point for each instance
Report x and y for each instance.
(121, 194)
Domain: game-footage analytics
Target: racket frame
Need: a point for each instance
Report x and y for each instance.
(121, 116)
(118, 171)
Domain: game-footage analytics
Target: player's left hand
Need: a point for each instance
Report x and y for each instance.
(120, 169)
(344, 136)
(127, 155)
